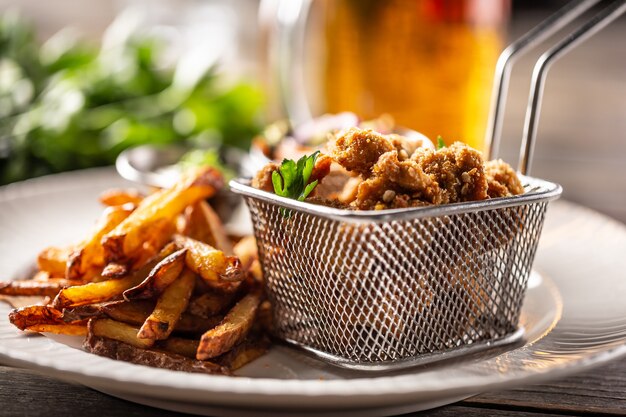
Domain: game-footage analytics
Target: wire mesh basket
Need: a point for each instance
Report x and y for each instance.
(393, 288)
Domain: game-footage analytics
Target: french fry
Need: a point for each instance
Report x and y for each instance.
(115, 270)
(96, 278)
(232, 330)
(246, 251)
(137, 275)
(93, 292)
(204, 225)
(119, 197)
(81, 313)
(115, 330)
(264, 316)
(122, 351)
(159, 278)
(256, 271)
(137, 311)
(189, 323)
(32, 288)
(211, 264)
(180, 346)
(128, 237)
(159, 234)
(69, 329)
(244, 353)
(89, 253)
(25, 317)
(94, 273)
(42, 276)
(130, 312)
(211, 303)
(169, 308)
(224, 286)
(97, 292)
(53, 260)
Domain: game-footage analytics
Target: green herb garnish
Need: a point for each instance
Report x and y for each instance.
(206, 157)
(292, 178)
(440, 142)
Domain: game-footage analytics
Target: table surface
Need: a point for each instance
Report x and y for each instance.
(599, 392)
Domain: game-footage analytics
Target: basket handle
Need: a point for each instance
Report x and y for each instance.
(540, 72)
(507, 58)
(542, 31)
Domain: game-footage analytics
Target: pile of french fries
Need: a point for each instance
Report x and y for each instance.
(157, 282)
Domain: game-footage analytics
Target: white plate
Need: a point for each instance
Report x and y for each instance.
(574, 319)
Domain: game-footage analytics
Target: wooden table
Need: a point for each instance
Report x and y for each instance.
(600, 392)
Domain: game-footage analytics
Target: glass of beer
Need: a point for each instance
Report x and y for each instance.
(427, 63)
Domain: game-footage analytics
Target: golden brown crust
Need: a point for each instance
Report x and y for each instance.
(263, 179)
(502, 179)
(251, 348)
(396, 184)
(328, 202)
(358, 150)
(232, 330)
(31, 288)
(163, 274)
(332, 184)
(457, 169)
(403, 145)
(202, 223)
(321, 168)
(391, 171)
(120, 196)
(32, 315)
(349, 190)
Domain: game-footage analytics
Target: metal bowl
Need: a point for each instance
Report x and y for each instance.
(156, 166)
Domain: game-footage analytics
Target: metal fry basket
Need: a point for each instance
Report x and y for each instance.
(381, 290)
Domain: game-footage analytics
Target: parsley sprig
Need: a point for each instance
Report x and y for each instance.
(440, 142)
(292, 178)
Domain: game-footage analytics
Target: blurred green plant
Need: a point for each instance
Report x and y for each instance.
(68, 105)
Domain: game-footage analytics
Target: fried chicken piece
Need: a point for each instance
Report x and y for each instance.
(404, 145)
(348, 193)
(384, 176)
(321, 168)
(328, 202)
(395, 184)
(502, 180)
(333, 184)
(457, 169)
(263, 179)
(357, 150)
